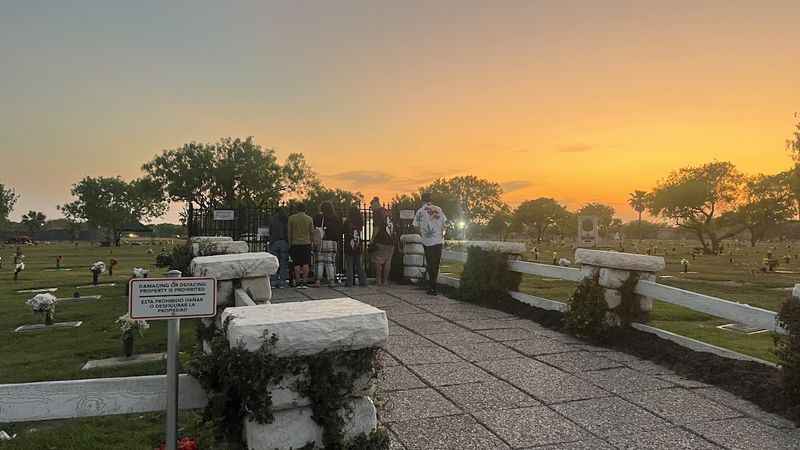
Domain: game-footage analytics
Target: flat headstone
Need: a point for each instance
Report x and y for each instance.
(36, 291)
(617, 260)
(307, 328)
(210, 239)
(232, 267)
(89, 286)
(42, 327)
(85, 298)
(56, 270)
(123, 361)
(741, 328)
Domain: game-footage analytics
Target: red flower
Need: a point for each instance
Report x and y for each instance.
(185, 443)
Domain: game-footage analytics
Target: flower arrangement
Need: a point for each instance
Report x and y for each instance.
(98, 267)
(44, 304)
(128, 325)
(139, 272)
(184, 443)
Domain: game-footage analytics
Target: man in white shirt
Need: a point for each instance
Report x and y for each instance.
(430, 222)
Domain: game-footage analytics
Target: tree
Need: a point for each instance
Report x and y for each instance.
(604, 213)
(499, 224)
(769, 201)
(793, 145)
(695, 197)
(112, 203)
(244, 174)
(638, 201)
(341, 200)
(536, 216)
(33, 221)
(186, 175)
(299, 179)
(8, 198)
(477, 200)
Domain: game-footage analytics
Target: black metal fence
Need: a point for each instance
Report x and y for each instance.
(251, 225)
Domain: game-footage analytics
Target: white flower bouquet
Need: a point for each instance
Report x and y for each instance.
(44, 304)
(20, 267)
(139, 272)
(127, 326)
(98, 267)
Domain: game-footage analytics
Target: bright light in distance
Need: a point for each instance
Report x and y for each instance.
(461, 224)
(131, 235)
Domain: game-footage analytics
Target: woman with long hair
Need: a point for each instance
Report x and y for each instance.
(330, 233)
(354, 248)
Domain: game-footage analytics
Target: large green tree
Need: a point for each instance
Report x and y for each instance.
(793, 145)
(695, 197)
(638, 201)
(245, 174)
(604, 213)
(8, 198)
(768, 202)
(341, 200)
(186, 175)
(33, 221)
(477, 199)
(539, 215)
(113, 203)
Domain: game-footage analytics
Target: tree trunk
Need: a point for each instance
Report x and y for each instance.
(640, 226)
(190, 219)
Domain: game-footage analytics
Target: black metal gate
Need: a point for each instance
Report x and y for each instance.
(251, 225)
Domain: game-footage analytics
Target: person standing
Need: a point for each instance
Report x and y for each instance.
(300, 228)
(382, 242)
(354, 248)
(331, 227)
(430, 222)
(279, 246)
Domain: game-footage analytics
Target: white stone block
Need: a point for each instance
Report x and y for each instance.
(413, 249)
(307, 328)
(224, 293)
(796, 292)
(414, 260)
(617, 260)
(613, 298)
(294, 428)
(589, 271)
(413, 272)
(219, 248)
(411, 239)
(285, 397)
(646, 304)
(613, 278)
(206, 239)
(258, 289)
(231, 267)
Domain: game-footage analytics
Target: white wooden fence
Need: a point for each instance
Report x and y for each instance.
(733, 311)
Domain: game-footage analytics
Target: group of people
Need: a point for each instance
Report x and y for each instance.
(307, 241)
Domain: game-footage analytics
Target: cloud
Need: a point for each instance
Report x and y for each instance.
(515, 185)
(574, 148)
(363, 177)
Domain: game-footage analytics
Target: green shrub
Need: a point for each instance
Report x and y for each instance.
(587, 312)
(787, 348)
(486, 278)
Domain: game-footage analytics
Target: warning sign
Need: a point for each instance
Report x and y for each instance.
(172, 298)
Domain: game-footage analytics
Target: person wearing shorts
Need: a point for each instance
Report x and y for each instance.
(300, 229)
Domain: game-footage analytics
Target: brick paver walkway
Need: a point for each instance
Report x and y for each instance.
(459, 376)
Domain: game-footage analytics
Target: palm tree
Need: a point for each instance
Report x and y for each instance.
(638, 201)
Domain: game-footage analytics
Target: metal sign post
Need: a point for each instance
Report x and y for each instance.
(173, 344)
(171, 299)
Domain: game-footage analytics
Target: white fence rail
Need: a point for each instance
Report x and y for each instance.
(48, 400)
(737, 312)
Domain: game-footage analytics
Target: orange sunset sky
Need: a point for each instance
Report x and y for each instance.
(577, 100)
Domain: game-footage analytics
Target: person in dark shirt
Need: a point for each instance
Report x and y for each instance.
(279, 246)
(383, 243)
(353, 227)
(331, 227)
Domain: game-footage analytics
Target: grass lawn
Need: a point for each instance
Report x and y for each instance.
(59, 354)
